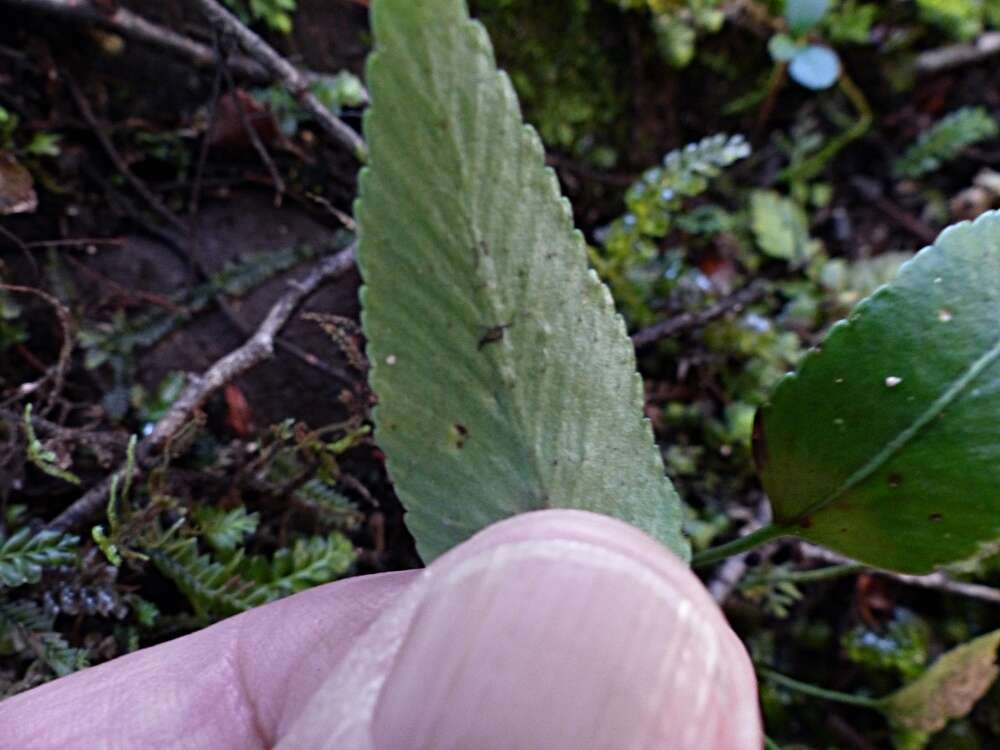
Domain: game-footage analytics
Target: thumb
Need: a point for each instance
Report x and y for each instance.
(554, 630)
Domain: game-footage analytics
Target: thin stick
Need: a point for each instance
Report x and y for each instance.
(727, 577)
(939, 581)
(128, 24)
(956, 55)
(256, 349)
(109, 148)
(58, 373)
(226, 23)
(251, 131)
(691, 320)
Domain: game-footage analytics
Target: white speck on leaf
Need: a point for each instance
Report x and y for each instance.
(892, 381)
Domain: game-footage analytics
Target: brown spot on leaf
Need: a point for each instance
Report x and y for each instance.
(806, 522)
(493, 334)
(460, 434)
(936, 517)
(895, 480)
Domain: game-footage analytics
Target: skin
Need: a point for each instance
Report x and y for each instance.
(556, 629)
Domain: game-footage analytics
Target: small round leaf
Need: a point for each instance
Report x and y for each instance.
(815, 67)
(782, 48)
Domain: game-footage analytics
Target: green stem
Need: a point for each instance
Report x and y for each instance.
(770, 744)
(803, 576)
(817, 692)
(813, 165)
(737, 546)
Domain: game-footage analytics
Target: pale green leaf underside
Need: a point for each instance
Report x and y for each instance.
(886, 444)
(506, 382)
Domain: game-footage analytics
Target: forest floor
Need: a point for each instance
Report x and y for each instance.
(157, 205)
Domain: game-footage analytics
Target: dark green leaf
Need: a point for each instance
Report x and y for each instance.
(506, 381)
(23, 555)
(884, 446)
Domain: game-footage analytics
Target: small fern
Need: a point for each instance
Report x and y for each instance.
(224, 530)
(23, 555)
(26, 628)
(309, 562)
(654, 203)
(946, 140)
(212, 587)
(219, 589)
(119, 340)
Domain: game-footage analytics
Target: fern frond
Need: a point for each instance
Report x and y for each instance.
(655, 202)
(123, 336)
(26, 628)
(323, 495)
(23, 556)
(212, 587)
(659, 194)
(309, 562)
(945, 140)
(225, 530)
(215, 588)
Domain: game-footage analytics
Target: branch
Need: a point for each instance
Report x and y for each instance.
(282, 70)
(256, 349)
(690, 320)
(128, 24)
(938, 581)
(956, 55)
(729, 574)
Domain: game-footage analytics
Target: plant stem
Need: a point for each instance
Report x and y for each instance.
(804, 576)
(735, 547)
(812, 166)
(770, 744)
(817, 692)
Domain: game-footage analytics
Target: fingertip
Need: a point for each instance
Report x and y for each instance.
(566, 629)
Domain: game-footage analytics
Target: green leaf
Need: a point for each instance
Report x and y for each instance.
(23, 555)
(814, 66)
(948, 690)
(945, 140)
(802, 15)
(217, 588)
(781, 227)
(884, 445)
(224, 530)
(506, 382)
(27, 628)
(782, 47)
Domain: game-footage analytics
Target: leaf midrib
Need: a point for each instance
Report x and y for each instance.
(976, 369)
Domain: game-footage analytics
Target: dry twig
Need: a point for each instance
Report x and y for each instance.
(729, 574)
(956, 55)
(128, 24)
(290, 76)
(57, 373)
(939, 581)
(256, 349)
(690, 320)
